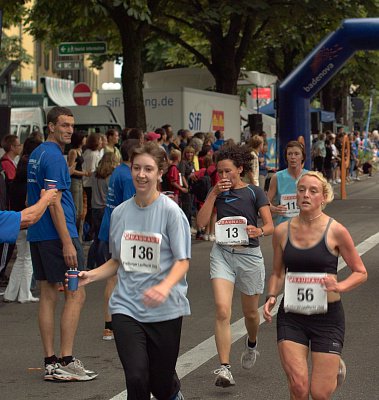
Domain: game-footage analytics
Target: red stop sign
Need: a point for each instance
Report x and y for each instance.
(82, 94)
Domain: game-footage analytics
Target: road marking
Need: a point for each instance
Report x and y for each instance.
(204, 351)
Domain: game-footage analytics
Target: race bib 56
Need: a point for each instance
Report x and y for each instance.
(305, 294)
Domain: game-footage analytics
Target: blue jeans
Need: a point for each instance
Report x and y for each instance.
(97, 216)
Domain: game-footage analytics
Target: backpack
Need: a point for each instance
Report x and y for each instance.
(201, 187)
(3, 190)
(165, 184)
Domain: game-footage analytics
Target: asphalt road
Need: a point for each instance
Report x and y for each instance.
(21, 351)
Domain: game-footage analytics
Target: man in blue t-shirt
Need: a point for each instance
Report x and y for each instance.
(120, 188)
(55, 247)
(219, 135)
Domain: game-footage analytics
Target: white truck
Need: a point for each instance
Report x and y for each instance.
(192, 109)
(87, 118)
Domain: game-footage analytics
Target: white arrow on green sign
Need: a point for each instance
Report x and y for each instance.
(70, 48)
(67, 65)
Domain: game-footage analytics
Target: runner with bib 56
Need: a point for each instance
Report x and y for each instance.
(311, 316)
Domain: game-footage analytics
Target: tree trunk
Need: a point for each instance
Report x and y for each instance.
(224, 69)
(133, 34)
(226, 79)
(132, 80)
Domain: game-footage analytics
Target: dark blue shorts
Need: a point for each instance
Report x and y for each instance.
(324, 333)
(48, 261)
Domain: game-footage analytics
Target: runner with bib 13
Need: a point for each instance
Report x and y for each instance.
(236, 259)
(311, 316)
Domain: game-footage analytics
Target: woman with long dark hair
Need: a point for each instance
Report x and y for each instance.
(75, 162)
(100, 183)
(91, 157)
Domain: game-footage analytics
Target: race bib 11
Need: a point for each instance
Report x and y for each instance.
(289, 200)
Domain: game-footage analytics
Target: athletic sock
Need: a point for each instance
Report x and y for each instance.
(226, 365)
(51, 360)
(66, 360)
(108, 325)
(251, 344)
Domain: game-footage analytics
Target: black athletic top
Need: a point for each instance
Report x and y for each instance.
(79, 166)
(317, 258)
(244, 202)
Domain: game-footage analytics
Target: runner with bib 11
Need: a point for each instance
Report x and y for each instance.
(236, 259)
(282, 190)
(311, 316)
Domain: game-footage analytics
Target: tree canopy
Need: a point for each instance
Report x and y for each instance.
(270, 36)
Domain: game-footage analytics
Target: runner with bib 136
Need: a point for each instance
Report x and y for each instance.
(311, 316)
(150, 243)
(236, 258)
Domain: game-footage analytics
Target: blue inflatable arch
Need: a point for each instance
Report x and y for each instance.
(296, 91)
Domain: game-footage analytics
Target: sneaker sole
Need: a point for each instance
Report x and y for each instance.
(108, 338)
(71, 378)
(221, 382)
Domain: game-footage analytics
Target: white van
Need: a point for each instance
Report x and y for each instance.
(87, 118)
(24, 121)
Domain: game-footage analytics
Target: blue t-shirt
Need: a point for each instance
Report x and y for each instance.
(163, 216)
(120, 188)
(285, 184)
(217, 144)
(10, 222)
(47, 162)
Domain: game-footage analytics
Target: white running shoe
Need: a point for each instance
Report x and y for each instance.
(72, 372)
(193, 231)
(224, 377)
(249, 356)
(31, 299)
(49, 371)
(341, 376)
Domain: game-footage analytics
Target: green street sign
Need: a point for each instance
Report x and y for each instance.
(70, 48)
(67, 65)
